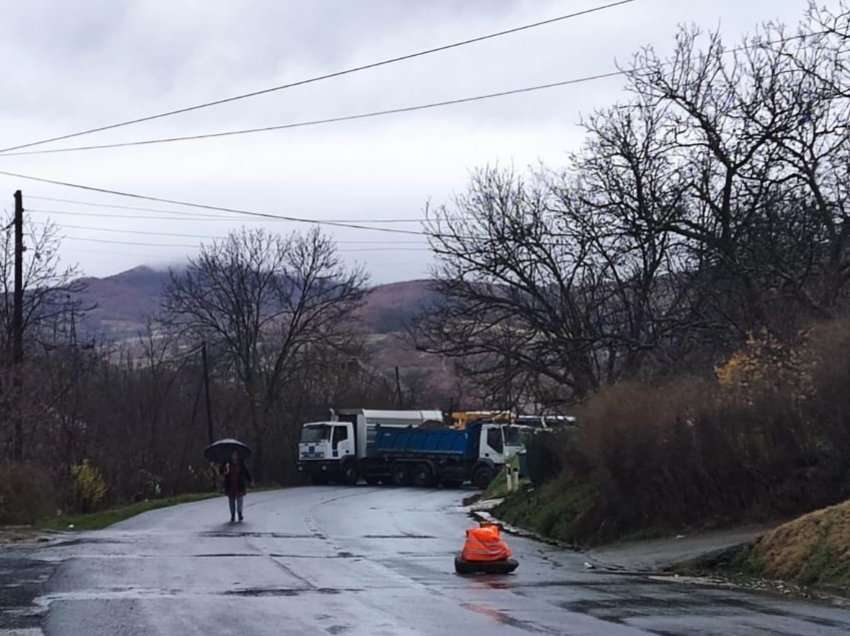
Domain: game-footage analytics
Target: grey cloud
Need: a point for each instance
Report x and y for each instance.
(67, 65)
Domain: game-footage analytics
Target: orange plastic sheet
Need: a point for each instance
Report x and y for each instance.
(485, 544)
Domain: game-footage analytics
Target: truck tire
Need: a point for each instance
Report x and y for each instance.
(482, 477)
(349, 474)
(400, 475)
(423, 475)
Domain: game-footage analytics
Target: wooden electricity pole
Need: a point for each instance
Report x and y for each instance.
(18, 328)
(398, 397)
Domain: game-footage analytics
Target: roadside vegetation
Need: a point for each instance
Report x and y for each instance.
(105, 518)
(813, 550)
(681, 286)
(810, 553)
(99, 426)
(765, 439)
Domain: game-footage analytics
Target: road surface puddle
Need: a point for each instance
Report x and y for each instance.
(288, 591)
(257, 535)
(503, 618)
(398, 536)
(140, 593)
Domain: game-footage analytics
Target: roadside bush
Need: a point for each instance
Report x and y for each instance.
(26, 494)
(829, 407)
(649, 452)
(89, 486)
(769, 437)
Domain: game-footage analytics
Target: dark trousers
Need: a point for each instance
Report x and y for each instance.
(235, 502)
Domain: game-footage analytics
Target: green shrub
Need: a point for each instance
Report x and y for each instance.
(26, 494)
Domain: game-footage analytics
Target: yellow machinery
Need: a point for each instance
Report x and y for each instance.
(461, 418)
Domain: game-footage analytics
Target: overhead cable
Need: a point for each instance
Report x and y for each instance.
(318, 78)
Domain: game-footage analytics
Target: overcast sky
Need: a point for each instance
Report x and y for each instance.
(66, 65)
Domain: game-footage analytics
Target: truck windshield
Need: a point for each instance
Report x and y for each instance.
(316, 433)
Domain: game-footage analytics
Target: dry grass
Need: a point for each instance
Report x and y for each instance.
(814, 549)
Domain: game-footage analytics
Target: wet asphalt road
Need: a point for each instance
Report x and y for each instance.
(329, 560)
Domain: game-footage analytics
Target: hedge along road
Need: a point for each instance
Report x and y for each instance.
(364, 560)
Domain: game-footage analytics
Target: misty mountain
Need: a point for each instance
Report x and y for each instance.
(123, 301)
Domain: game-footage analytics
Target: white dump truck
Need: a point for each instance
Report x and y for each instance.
(402, 448)
(334, 450)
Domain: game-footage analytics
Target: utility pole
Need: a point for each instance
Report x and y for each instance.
(207, 391)
(18, 326)
(398, 399)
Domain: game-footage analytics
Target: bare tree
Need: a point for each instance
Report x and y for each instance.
(712, 204)
(760, 138)
(537, 282)
(264, 301)
(49, 299)
(49, 287)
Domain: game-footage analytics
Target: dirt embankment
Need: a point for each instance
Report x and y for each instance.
(807, 556)
(811, 550)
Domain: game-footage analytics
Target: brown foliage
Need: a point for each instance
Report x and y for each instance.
(694, 450)
(26, 494)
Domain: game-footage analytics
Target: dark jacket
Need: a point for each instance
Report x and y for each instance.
(242, 477)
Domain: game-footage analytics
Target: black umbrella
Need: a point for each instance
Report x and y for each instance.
(221, 451)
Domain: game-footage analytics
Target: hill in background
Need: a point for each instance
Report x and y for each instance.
(123, 302)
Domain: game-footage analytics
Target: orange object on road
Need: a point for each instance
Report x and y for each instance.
(485, 544)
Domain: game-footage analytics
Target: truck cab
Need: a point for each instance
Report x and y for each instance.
(512, 441)
(497, 444)
(326, 441)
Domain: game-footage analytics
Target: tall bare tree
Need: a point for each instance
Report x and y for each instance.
(713, 203)
(263, 302)
(536, 281)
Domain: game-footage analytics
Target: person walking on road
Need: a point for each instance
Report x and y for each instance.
(236, 478)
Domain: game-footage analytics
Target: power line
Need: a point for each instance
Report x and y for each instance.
(203, 206)
(318, 78)
(358, 116)
(117, 242)
(105, 215)
(196, 245)
(200, 236)
(318, 122)
(191, 217)
(217, 217)
(188, 215)
(105, 205)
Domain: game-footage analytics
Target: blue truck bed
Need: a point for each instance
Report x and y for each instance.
(441, 441)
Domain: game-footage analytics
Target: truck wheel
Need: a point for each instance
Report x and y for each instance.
(318, 479)
(400, 475)
(482, 477)
(349, 474)
(423, 476)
